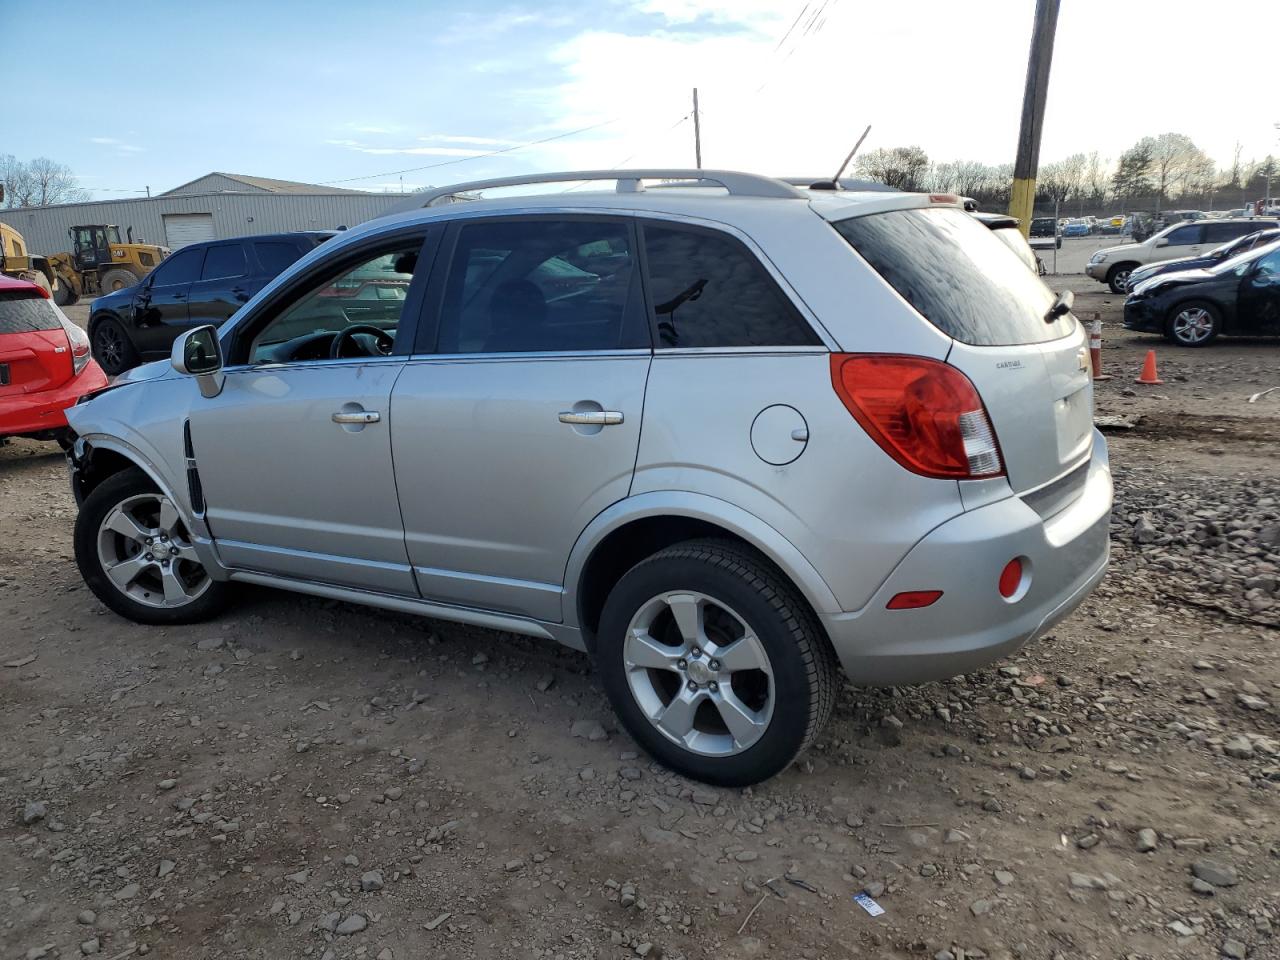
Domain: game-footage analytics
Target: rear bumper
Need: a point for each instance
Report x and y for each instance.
(971, 625)
(30, 413)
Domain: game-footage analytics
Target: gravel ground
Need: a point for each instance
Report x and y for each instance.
(303, 778)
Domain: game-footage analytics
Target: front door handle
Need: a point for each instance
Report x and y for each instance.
(362, 416)
(592, 418)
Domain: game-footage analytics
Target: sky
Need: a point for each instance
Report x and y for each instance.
(356, 92)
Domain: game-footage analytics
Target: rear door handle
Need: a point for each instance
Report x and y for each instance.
(593, 418)
(363, 416)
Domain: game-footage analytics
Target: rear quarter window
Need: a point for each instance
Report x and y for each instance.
(22, 313)
(957, 275)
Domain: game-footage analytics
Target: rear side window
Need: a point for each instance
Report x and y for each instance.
(708, 290)
(275, 256)
(957, 276)
(21, 313)
(224, 261)
(542, 286)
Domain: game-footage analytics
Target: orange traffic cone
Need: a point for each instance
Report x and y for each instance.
(1149, 370)
(1095, 348)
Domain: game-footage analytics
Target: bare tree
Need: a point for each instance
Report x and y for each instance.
(902, 167)
(1174, 160)
(39, 182)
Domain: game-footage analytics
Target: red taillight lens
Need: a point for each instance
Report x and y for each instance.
(913, 599)
(1011, 578)
(923, 413)
(79, 341)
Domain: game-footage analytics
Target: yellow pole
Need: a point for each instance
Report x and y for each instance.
(1022, 198)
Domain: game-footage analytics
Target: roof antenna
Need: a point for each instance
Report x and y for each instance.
(834, 182)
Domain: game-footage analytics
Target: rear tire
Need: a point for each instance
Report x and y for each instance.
(112, 347)
(124, 521)
(65, 295)
(116, 279)
(1195, 323)
(715, 663)
(1118, 276)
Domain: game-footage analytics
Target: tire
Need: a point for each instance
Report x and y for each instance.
(1118, 276)
(129, 501)
(65, 295)
(1195, 323)
(116, 279)
(112, 347)
(738, 595)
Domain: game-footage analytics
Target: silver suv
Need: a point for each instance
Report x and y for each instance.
(724, 434)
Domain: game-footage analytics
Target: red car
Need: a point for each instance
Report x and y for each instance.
(45, 365)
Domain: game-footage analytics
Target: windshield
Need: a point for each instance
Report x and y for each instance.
(113, 234)
(1243, 259)
(960, 277)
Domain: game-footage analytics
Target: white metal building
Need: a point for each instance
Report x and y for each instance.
(211, 207)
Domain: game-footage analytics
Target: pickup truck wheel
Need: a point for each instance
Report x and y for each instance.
(112, 347)
(1118, 276)
(135, 554)
(714, 663)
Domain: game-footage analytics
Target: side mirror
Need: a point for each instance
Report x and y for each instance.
(197, 353)
(1162, 242)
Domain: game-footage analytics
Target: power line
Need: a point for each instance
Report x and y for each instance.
(479, 156)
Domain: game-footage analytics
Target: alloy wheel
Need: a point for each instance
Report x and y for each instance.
(699, 673)
(1192, 325)
(110, 347)
(146, 553)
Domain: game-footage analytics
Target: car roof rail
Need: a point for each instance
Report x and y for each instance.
(629, 181)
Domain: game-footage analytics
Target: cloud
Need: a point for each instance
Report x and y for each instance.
(479, 141)
(406, 151)
(121, 147)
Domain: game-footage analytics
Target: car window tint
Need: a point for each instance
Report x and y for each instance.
(542, 285)
(708, 290)
(1184, 235)
(222, 261)
(20, 312)
(181, 267)
(372, 291)
(275, 255)
(1269, 265)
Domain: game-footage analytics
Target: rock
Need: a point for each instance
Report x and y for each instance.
(1234, 950)
(630, 773)
(353, 924)
(386, 954)
(128, 891)
(351, 860)
(1239, 747)
(981, 907)
(371, 881)
(328, 922)
(1250, 702)
(746, 856)
(393, 793)
(165, 868)
(1202, 888)
(90, 946)
(1144, 531)
(874, 889)
(167, 784)
(511, 866)
(589, 730)
(300, 877)
(955, 836)
(1088, 841)
(1147, 840)
(545, 682)
(433, 924)
(34, 812)
(928, 870)
(87, 917)
(992, 805)
(1003, 877)
(212, 643)
(587, 773)
(657, 836)
(1086, 881)
(1218, 874)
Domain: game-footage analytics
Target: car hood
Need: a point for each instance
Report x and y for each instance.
(1120, 250)
(1178, 278)
(155, 370)
(118, 300)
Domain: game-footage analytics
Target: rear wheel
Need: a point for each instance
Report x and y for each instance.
(65, 294)
(1193, 324)
(1118, 277)
(135, 554)
(112, 347)
(116, 279)
(714, 663)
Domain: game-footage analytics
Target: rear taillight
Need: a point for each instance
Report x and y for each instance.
(79, 341)
(923, 413)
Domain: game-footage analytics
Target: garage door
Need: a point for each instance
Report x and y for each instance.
(183, 228)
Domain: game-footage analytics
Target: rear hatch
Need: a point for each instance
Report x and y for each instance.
(34, 352)
(1031, 373)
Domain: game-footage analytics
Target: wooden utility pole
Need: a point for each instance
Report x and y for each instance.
(697, 131)
(1022, 200)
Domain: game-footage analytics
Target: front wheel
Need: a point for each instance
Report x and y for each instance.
(714, 663)
(1118, 278)
(135, 554)
(112, 348)
(1193, 324)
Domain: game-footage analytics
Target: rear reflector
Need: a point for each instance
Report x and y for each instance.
(922, 412)
(1011, 578)
(913, 599)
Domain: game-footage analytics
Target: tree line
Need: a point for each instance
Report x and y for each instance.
(34, 183)
(1153, 174)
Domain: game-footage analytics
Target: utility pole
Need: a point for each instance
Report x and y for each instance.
(1022, 199)
(148, 192)
(697, 131)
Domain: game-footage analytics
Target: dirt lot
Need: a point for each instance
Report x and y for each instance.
(309, 779)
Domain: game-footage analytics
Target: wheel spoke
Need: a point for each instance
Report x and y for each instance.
(643, 651)
(125, 572)
(745, 725)
(175, 590)
(687, 611)
(677, 716)
(123, 524)
(185, 551)
(742, 654)
(168, 515)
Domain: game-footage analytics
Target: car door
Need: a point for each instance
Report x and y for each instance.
(518, 420)
(160, 305)
(224, 284)
(294, 454)
(1258, 299)
(1183, 241)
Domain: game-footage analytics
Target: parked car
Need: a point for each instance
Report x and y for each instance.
(201, 283)
(1045, 232)
(1238, 297)
(1077, 228)
(714, 474)
(45, 365)
(1005, 228)
(1244, 244)
(1113, 265)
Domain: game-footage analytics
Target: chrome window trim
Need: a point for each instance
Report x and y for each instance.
(533, 355)
(325, 362)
